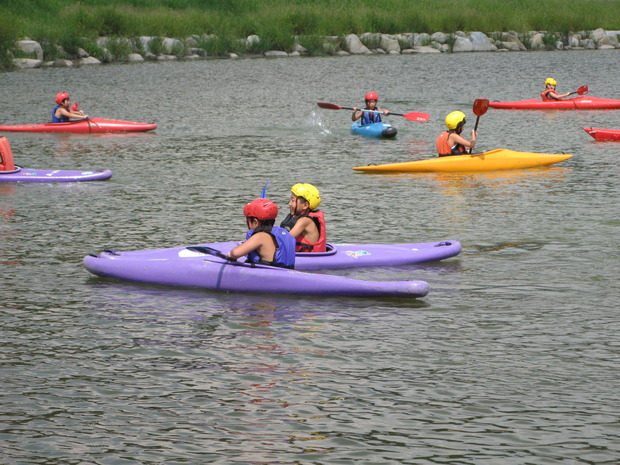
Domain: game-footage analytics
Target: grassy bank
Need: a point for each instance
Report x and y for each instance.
(276, 22)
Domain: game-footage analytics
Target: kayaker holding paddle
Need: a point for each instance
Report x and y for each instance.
(451, 142)
(62, 113)
(370, 114)
(305, 222)
(549, 94)
(265, 243)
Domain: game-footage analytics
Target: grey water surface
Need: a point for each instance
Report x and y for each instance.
(512, 358)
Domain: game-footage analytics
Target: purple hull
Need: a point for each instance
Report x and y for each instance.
(193, 267)
(31, 175)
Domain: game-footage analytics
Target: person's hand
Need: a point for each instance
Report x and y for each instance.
(386, 112)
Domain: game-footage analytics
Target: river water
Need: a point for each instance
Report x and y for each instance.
(512, 358)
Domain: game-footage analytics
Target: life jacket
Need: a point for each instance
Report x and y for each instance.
(545, 95)
(285, 247)
(368, 117)
(443, 146)
(304, 245)
(6, 155)
(62, 119)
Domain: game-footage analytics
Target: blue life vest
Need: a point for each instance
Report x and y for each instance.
(369, 118)
(62, 119)
(285, 247)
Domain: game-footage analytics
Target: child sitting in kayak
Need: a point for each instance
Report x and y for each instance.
(549, 94)
(370, 114)
(451, 142)
(304, 221)
(265, 243)
(62, 113)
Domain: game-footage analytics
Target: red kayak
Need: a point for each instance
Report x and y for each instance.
(85, 126)
(577, 103)
(604, 134)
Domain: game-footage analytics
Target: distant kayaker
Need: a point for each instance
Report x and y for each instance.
(370, 114)
(451, 142)
(304, 221)
(549, 94)
(265, 243)
(62, 113)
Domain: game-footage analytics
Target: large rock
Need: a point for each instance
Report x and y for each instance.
(462, 44)
(24, 63)
(89, 61)
(172, 46)
(603, 38)
(389, 44)
(30, 47)
(481, 43)
(355, 46)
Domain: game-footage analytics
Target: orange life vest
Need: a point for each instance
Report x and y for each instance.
(303, 245)
(6, 155)
(545, 95)
(443, 146)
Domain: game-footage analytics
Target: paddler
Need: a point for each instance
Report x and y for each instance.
(265, 243)
(549, 94)
(451, 142)
(62, 112)
(369, 114)
(305, 222)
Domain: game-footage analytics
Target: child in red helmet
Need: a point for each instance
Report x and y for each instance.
(369, 114)
(265, 243)
(62, 113)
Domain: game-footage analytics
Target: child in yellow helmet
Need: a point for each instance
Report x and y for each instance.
(305, 222)
(550, 94)
(451, 142)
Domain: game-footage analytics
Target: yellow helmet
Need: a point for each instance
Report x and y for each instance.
(454, 119)
(551, 81)
(308, 192)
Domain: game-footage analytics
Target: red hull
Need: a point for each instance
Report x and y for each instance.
(578, 103)
(604, 134)
(89, 126)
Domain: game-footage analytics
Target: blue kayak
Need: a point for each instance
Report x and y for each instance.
(381, 129)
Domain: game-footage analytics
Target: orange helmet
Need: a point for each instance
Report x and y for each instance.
(263, 209)
(371, 96)
(61, 97)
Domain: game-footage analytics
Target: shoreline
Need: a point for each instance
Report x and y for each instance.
(30, 54)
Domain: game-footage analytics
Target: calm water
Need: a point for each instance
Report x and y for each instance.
(511, 359)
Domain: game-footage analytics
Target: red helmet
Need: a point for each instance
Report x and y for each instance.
(372, 96)
(263, 209)
(61, 97)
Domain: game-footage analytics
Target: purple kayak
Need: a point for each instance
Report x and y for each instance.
(31, 175)
(197, 266)
(9, 172)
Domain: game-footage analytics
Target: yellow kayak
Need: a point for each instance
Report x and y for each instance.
(498, 159)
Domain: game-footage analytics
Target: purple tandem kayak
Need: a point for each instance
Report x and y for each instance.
(196, 266)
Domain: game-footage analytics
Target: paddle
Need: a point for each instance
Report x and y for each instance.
(208, 251)
(411, 116)
(581, 91)
(481, 105)
(263, 194)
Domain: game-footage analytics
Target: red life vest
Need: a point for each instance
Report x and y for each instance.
(443, 146)
(545, 95)
(303, 245)
(6, 155)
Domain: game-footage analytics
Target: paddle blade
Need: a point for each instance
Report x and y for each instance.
(481, 105)
(582, 90)
(417, 116)
(329, 106)
(263, 195)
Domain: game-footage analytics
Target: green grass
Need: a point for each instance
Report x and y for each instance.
(276, 18)
(278, 22)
